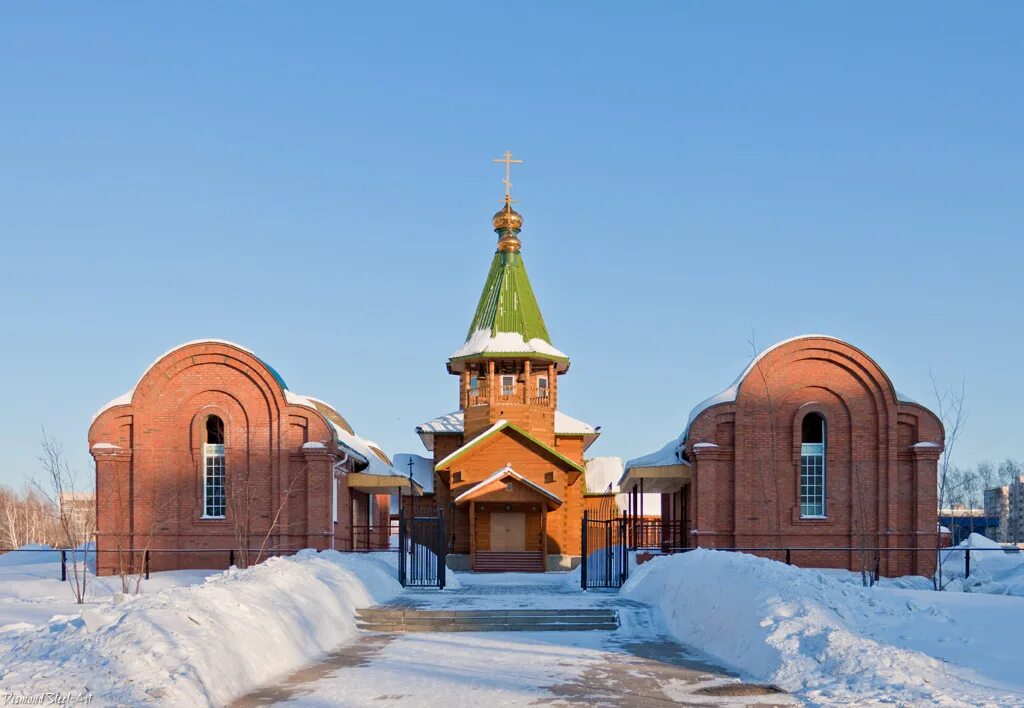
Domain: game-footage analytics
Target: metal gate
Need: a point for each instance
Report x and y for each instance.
(422, 551)
(605, 562)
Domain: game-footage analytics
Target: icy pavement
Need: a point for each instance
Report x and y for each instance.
(631, 666)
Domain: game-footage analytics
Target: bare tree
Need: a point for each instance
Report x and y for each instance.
(132, 543)
(243, 494)
(1009, 471)
(860, 519)
(953, 415)
(26, 517)
(60, 486)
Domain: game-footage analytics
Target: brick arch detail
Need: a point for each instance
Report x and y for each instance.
(211, 353)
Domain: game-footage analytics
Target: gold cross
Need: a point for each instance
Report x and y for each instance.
(508, 174)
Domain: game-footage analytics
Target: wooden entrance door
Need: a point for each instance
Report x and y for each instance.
(508, 531)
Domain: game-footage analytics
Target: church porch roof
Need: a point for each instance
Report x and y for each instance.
(492, 485)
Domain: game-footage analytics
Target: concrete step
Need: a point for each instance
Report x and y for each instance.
(384, 619)
(508, 561)
(390, 612)
(456, 627)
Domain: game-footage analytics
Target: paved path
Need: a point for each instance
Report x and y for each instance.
(632, 666)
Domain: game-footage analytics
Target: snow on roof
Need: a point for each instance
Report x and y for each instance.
(498, 424)
(364, 449)
(453, 423)
(567, 425)
(447, 423)
(376, 458)
(603, 474)
(507, 471)
(422, 469)
(729, 394)
(126, 398)
(664, 457)
(483, 341)
(669, 454)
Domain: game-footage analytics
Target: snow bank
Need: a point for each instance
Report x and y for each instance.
(995, 569)
(200, 645)
(832, 642)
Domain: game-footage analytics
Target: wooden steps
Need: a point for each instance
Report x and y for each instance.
(383, 619)
(509, 562)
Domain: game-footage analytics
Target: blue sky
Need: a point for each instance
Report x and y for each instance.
(316, 184)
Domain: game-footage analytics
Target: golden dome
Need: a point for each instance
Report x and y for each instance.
(507, 218)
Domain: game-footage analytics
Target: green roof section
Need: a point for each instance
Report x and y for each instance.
(507, 303)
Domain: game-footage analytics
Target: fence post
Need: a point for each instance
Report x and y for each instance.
(63, 565)
(625, 553)
(441, 555)
(583, 549)
(878, 566)
(789, 558)
(145, 563)
(401, 546)
(967, 563)
(231, 557)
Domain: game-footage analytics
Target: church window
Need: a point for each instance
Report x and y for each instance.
(214, 494)
(812, 467)
(508, 384)
(542, 387)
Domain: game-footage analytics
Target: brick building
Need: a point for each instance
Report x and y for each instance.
(211, 451)
(1006, 503)
(508, 465)
(811, 447)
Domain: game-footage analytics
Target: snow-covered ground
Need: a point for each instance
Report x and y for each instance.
(200, 640)
(31, 591)
(831, 641)
(994, 571)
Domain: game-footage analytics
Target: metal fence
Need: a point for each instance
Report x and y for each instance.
(604, 561)
(954, 562)
(62, 562)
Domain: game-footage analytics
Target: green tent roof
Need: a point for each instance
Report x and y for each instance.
(508, 308)
(507, 303)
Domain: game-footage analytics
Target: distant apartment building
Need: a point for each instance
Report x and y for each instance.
(1007, 503)
(78, 509)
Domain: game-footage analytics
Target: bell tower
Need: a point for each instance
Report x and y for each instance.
(507, 368)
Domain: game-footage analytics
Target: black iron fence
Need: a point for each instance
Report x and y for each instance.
(375, 537)
(63, 562)
(654, 533)
(604, 561)
(422, 561)
(953, 562)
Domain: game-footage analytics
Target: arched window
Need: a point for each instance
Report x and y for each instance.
(214, 494)
(812, 467)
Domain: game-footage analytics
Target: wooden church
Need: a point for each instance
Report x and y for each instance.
(508, 465)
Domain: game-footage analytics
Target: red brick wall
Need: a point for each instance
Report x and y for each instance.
(880, 490)
(149, 487)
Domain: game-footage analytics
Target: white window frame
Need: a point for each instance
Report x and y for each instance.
(813, 476)
(211, 455)
(510, 389)
(545, 390)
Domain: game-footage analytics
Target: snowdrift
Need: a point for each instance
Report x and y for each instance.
(831, 642)
(995, 569)
(200, 645)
